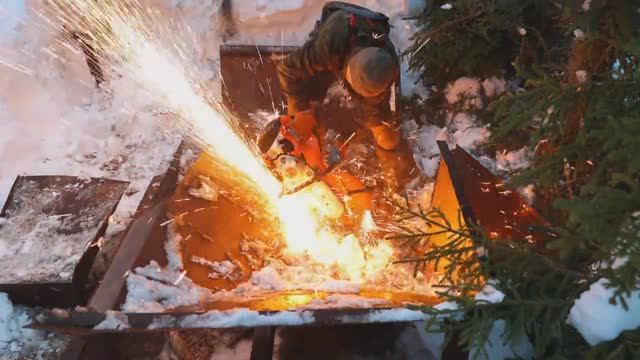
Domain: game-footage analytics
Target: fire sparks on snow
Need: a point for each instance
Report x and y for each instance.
(153, 52)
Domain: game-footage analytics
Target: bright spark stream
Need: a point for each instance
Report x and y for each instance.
(142, 45)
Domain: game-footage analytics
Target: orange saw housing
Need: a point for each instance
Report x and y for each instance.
(302, 131)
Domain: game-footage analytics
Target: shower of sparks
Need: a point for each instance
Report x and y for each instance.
(157, 54)
(16, 67)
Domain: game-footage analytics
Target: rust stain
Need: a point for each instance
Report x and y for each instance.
(214, 229)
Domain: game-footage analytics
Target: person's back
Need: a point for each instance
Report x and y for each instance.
(342, 32)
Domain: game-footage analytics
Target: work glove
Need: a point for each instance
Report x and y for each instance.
(298, 128)
(301, 124)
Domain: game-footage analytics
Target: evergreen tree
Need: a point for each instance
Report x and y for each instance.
(577, 104)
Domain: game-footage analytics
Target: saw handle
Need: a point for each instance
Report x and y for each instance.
(299, 129)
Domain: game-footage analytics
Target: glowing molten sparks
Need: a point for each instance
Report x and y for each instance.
(140, 45)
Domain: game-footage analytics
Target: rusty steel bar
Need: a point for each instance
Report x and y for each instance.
(82, 323)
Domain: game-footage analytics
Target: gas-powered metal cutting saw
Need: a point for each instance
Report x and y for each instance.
(292, 149)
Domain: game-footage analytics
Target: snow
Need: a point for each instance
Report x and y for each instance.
(37, 247)
(114, 320)
(250, 318)
(461, 130)
(494, 86)
(307, 275)
(246, 318)
(513, 160)
(54, 121)
(10, 14)
(207, 190)
(383, 316)
(425, 148)
(581, 76)
(155, 289)
(527, 193)
(597, 320)
(173, 249)
(462, 88)
(393, 315)
(219, 269)
(18, 342)
(280, 277)
(490, 294)
(496, 347)
(465, 132)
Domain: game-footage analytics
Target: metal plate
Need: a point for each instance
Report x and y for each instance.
(73, 212)
(215, 231)
(485, 200)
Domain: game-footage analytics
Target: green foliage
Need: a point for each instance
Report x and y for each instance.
(588, 177)
(478, 38)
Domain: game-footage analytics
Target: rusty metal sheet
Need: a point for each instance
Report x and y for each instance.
(485, 200)
(249, 78)
(49, 227)
(215, 232)
(250, 85)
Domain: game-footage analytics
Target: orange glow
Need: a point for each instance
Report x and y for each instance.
(306, 223)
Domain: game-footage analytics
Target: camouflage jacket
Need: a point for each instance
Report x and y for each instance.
(325, 53)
